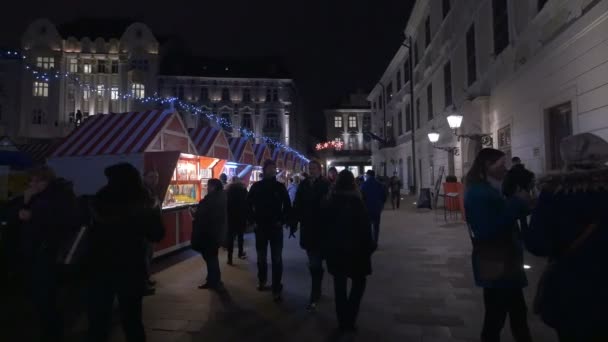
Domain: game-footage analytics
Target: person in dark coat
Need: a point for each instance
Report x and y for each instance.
(310, 198)
(348, 248)
(569, 226)
(209, 231)
(497, 256)
(374, 195)
(238, 212)
(48, 218)
(124, 220)
(151, 184)
(269, 206)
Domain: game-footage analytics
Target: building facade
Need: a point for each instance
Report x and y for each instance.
(348, 124)
(107, 60)
(527, 75)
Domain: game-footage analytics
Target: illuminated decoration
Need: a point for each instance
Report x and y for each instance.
(335, 144)
(39, 74)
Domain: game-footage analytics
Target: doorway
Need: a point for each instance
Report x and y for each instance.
(559, 126)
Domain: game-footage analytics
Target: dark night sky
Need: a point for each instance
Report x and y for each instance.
(331, 47)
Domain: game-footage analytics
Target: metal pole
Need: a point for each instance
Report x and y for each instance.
(412, 113)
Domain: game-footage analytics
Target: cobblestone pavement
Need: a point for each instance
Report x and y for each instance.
(421, 290)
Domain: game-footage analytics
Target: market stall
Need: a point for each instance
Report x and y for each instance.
(211, 143)
(154, 140)
(243, 159)
(262, 153)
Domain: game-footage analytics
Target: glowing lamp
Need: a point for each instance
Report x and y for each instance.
(455, 120)
(433, 136)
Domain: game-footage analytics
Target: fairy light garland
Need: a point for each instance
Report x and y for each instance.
(42, 75)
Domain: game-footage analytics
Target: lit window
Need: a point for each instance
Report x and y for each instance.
(41, 89)
(100, 91)
(139, 91)
(45, 62)
(87, 68)
(114, 93)
(338, 121)
(352, 121)
(73, 65)
(86, 94)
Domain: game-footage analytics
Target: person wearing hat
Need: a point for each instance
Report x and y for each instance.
(269, 205)
(569, 226)
(375, 197)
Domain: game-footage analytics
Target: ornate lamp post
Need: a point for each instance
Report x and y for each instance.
(455, 121)
(434, 138)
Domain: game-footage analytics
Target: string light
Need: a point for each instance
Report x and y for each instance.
(195, 110)
(335, 144)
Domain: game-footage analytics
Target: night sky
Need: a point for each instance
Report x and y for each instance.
(331, 47)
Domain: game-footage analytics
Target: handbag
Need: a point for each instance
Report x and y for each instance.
(543, 296)
(496, 259)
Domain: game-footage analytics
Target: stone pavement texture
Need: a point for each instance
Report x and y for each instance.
(421, 290)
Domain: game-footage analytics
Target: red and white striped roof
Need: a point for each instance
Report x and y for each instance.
(117, 133)
(209, 141)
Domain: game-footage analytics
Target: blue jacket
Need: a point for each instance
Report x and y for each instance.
(374, 195)
(490, 217)
(576, 294)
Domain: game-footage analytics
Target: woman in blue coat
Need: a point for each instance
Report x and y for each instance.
(497, 246)
(570, 226)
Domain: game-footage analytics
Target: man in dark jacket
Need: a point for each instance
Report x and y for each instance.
(308, 204)
(375, 196)
(236, 197)
(48, 216)
(269, 206)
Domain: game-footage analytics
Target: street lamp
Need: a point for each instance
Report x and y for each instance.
(455, 121)
(434, 138)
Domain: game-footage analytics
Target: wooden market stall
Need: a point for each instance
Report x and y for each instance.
(213, 145)
(154, 140)
(243, 159)
(262, 153)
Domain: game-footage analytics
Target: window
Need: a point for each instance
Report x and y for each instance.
(418, 113)
(247, 123)
(408, 118)
(406, 71)
(400, 122)
(100, 91)
(87, 68)
(86, 94)
(268, 95)
(275, 95)
(380, 102)
(429, 100)
(471, 56)
(398, 80)
(338, 121)
(180, 92)
(101, 66)
(38, 117)
(447, 84)
(504, 137)
(225, 94)
(272, 121)
(139, 91)
(541, 4)
(45, 62)
(427, 31)
(246, 95)
(73, 65)
(416, 59)
(367, 122)
(41, 89)
(446, 8)
(352, 121)
(114, 93)
(501, 25)
(115, 67)
(204, 94)
(389, 90)
(560, 126)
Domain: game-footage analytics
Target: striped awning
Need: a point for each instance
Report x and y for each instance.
(117, 133)
(39, 151)
(262, 152)
(209, 141)
(242, 151)
(279, 157)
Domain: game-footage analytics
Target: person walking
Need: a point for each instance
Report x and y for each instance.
(237, 208)
(375, 197)
(124, 218)
(348, 247)
(292, 189)
(307, 211)
(395, 185)
(48, 216)
(151, 184)
(497, 245)
(332, 175)
(209, 231)
(269, 206)
(569, 226)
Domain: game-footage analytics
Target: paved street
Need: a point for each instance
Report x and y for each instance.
(421, 290)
